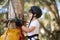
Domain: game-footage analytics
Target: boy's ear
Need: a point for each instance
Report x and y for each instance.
(34, 15)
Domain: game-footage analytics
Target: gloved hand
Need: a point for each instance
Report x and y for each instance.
(18, 22)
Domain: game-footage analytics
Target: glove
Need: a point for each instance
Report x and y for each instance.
(18, 22)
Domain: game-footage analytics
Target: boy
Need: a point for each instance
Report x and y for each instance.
(33, 27)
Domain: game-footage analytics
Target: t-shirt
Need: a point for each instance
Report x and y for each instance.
(34, 23)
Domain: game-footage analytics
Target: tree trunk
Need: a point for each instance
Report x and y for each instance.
(18, 7)
(53, 8)
(21, 8)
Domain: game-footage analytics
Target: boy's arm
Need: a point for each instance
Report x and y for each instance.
(28, 29)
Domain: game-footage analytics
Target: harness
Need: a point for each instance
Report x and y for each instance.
(35, 37)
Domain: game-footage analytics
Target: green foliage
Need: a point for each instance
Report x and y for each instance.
(59, 0)
(49, 2)
(1, 28)
(1, 1)
(47, 16)
(1, 15)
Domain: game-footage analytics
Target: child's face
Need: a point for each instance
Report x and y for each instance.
(30, 15)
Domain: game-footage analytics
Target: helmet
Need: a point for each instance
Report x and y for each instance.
(36, 10)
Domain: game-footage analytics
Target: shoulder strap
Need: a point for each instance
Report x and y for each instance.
(30, 21)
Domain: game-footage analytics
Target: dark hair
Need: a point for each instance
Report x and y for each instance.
(36, 10)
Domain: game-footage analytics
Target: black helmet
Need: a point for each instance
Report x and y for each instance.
(36, 10)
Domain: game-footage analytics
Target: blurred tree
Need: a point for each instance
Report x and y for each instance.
(21, 8)
(18, 7)
(47, 16)
(32, 2)
(52, 6)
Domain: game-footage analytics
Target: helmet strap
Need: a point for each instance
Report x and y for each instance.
(31, 20)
